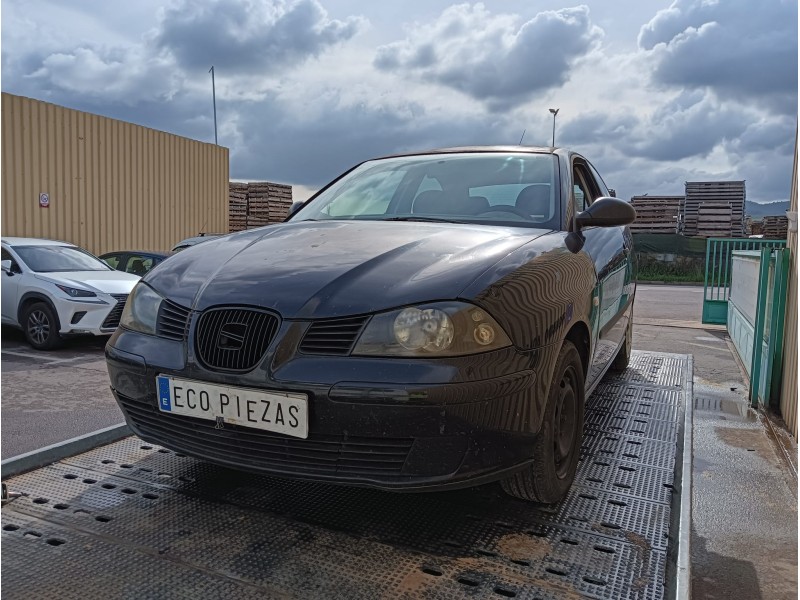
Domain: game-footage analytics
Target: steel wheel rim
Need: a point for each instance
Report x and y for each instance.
(564, 422)
(38, 326)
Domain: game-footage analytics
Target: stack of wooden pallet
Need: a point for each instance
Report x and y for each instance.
(714, 209)
(258, 203)
(268, 203)
(657, 214)
(237, 207)
(775, 227)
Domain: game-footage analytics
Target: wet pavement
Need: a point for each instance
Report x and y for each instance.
(744, 495)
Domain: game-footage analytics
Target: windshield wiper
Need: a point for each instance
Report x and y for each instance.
(425, 220)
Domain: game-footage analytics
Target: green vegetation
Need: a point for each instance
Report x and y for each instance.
(671, 272)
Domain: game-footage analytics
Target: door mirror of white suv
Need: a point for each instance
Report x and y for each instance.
(6, 266)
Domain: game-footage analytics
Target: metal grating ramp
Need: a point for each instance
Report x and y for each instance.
(131, 520)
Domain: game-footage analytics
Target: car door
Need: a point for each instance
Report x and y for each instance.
(10, 286)
(609, 250)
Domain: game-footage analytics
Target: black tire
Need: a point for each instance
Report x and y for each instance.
(40, 325)
(624, 355)
(557, 449)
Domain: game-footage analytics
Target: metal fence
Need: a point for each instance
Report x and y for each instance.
(716, 290)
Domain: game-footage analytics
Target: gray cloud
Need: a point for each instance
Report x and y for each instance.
(739, 49)
(313, 151)
(493, 58)
(250, 36)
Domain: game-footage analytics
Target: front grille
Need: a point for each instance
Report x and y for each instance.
(319, 454)
(334, 337)
(172, 320)
(234, 339)
(112, 320)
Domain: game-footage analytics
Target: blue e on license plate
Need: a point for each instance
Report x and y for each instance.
(280, 412)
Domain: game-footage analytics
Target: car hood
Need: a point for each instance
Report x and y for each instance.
(109, 282)
(335, 268)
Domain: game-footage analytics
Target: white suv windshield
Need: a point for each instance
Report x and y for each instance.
(51, 259)
(482, 187)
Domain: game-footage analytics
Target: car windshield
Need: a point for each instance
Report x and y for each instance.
(488, 187)
(50, 259)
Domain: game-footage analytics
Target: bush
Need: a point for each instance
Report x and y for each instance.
(671, 272)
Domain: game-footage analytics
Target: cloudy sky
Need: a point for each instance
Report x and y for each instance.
(653, 92)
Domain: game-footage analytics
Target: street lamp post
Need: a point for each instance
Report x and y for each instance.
(555, 112)
(214, 96)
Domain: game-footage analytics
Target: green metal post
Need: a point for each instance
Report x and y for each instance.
(758, 330)
(774, 369)
(708, 271)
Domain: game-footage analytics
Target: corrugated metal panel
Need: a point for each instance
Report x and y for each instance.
(112, 185)
(789, 383)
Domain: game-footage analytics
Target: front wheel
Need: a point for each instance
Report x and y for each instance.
(556, 451)
(41, 326)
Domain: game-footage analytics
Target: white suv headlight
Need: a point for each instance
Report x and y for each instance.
(437, 329)
(141, 309)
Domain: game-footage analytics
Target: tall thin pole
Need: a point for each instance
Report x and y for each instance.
(555, 112)
(214, 96)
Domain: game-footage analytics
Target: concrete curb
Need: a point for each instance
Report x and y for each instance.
(684, 583)
(686, 283)
(56, 452)
(677, 323)
(679, 567)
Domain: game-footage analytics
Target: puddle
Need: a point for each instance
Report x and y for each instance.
(727, 410)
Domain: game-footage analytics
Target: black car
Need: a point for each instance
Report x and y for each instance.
(133, 261)
(425, 321)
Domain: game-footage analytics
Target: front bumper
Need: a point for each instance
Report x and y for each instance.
(423, 424)
(96, 317)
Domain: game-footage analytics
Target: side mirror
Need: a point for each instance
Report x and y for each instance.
(294, 208)
(606, 212)
(6, 266)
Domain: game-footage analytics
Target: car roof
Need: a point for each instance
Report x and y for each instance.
(469, 149)
(21, 241)
(141, 252)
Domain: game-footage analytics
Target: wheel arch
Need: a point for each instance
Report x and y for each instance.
(580, 337)
(29, 298)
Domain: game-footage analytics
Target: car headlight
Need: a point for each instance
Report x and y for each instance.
(438, 329)
(141, 309)
(76, 292)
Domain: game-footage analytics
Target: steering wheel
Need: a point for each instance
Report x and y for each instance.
(507, 208)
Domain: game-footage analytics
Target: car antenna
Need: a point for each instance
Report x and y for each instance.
(202, 229)
(522, 136)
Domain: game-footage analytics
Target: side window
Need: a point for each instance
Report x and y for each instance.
(581, 195)
(586, 189)
(6, 255)
(598, 180)
(139, 265)
(112, 261)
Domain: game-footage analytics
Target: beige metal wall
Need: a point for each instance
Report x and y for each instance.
(112, 185)
(789, 383)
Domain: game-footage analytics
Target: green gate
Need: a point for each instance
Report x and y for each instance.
(756, 311)
(719, 252)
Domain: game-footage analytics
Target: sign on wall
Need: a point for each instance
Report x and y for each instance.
(44, 200)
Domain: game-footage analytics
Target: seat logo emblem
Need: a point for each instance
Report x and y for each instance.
(231, 336)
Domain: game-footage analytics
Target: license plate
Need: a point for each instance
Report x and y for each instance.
(280, 412)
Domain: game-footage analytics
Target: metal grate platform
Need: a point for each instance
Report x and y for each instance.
(132, 520)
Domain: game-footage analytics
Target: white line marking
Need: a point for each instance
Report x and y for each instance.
(40, 357)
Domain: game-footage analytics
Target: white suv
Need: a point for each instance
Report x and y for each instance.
(54, 289)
